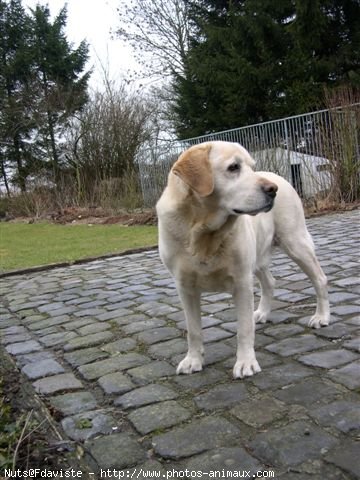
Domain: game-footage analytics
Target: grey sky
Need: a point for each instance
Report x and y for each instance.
(93, 21)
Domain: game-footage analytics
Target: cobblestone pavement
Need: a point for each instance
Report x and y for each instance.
(100, 342)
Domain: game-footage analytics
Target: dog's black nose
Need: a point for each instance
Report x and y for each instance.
(270, 189)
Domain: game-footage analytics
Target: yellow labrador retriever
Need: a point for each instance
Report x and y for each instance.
(218, 221)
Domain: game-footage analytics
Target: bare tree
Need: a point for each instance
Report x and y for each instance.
(158, 31)
(104, 141)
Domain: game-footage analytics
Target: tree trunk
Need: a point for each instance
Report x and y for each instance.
(4, 174)
(19, 163)
(55, 157)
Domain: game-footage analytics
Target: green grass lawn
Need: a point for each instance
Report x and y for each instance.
(23, 245)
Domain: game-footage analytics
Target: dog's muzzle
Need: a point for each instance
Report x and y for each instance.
(266, 208)
(269, 189)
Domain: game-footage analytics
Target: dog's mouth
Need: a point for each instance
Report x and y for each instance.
(265, 208)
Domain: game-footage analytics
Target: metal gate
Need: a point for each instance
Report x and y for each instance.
(303, 149)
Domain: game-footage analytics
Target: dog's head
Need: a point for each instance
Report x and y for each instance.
(223, 171)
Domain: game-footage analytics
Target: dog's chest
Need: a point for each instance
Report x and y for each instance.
(218, 281)
(214, 275)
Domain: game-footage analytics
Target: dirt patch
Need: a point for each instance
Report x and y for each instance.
(144, 218)
(315, 209)
(92, 216)
(98, 216)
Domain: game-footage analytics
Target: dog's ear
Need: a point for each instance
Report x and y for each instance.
(194, 168)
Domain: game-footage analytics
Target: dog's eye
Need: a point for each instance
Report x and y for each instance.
(234, 167)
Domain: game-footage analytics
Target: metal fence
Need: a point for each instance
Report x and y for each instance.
(301, 148)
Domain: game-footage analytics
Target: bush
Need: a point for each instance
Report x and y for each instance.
(119, 193)
(111, 196)
(35, 203)
(342, 146)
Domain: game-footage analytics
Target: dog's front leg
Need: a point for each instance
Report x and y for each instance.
(246, 363)
(194, 358)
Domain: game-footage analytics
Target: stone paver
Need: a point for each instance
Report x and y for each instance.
(197, 437)
(42, 368)
(115, 363)
(88, 340)
(348, 375)
(57, 383)
(158, 416)
(197, 381)
(116, 451)
(23, 347)
(116, 382)
(292, 444)
(343, 414)
(71, 403)
(346, 456)
(84, 356)
(84, 426)
(145, 395)
(150, 371)
(280, 376)
(224, 459)
(258, 413)
(309, 392)
(158, 334)
(221, 396)
(100, 343)
(329, 358)
(299, 344)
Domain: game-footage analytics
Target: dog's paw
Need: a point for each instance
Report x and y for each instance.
(246, 366)
(190, 364)
(318, 321)
(260, 316)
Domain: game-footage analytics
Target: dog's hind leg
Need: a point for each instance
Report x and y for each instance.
(193, 361)
(301, 250)
(267, 283)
